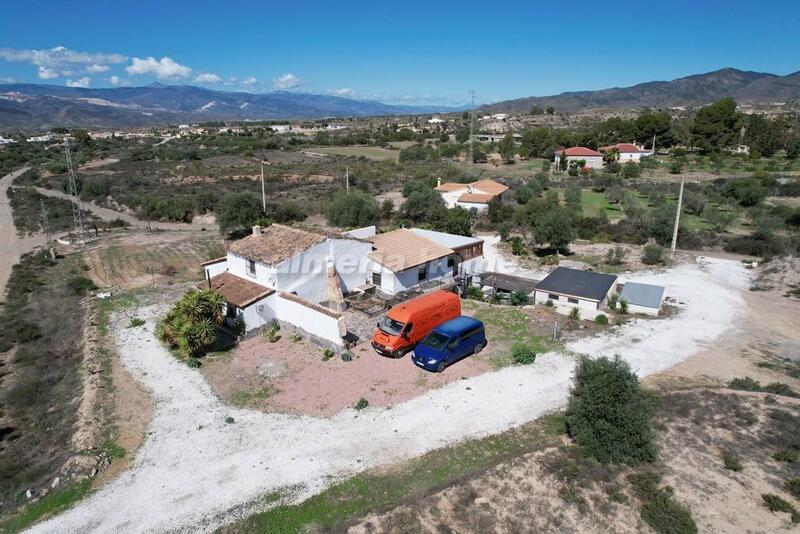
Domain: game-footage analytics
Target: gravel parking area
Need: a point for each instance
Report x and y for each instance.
(199, 469)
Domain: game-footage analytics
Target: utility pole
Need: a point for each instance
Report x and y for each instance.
(654, 145)
(677, 218)
(77, 204)
(347, 179)
(46, 229)
(471, 124)
(263, 193)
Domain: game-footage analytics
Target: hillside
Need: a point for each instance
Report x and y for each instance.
(696, 90)
(34, 106)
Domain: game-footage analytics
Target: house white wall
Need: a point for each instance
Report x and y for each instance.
(593, 162)
(260, 312)
(541, 297)
(394, 282)
(306, 274)
(470, 205)
(625, 157)
(215, 268)
(321, 325)
(451, 197)
(644, 310)
(265, 275)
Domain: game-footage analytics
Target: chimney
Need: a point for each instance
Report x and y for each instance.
(256, 230)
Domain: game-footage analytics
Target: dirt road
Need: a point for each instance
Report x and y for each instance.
(11, 245)
(108, 214)
(197, 471)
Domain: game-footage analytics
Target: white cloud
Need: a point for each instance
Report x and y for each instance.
(286, 82)
(250, 80)
(46, 73)
(7, 79)
(115, 80)
(96, 68)
(60, 56)
(163, 68)
(344, 92)
(208, 77)
(81, 82)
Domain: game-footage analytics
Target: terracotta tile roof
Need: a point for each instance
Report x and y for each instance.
(402, 249)
(578, 151)
(490, 186)
(237, 290)
(476, 198)
(276, 244)
(450, 186)
(623, 148)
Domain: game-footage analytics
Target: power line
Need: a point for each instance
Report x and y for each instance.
(77, 204)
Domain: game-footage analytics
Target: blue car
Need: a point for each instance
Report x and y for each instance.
(449, 342)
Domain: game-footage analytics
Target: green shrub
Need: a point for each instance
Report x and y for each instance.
(474, 293)
(622, 307)
(522, 355)
(790, 456)
(608, 414)
(732, 461)
(666, 516)
(327, 354)
(775, 503)
(549, 303)
(792, 486)
(229, 420)
(517, 247)
(81, 285)
(744, 384)
(191, 324)
(25, 332)
(601, 320)
(575, 313)
(295, 337)
(520, 298)
(552, 259)
(136, 322)
(361, 404)
(645, 484)
(346, 356)
(652, 254)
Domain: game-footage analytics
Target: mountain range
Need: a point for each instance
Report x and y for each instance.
(36, 106)
(696, 90)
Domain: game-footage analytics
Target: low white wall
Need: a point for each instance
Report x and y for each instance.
(541, 297)
(260, 312)
(214, 269)
(634, 308)
(328, 327)
(470, 205)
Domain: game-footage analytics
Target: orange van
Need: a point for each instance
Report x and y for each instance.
(406, 324)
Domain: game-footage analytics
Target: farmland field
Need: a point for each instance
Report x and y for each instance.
(369, 152)
(140, 259)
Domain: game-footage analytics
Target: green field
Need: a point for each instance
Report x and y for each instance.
(370, 152)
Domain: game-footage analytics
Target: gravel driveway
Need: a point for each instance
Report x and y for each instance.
(195, 472)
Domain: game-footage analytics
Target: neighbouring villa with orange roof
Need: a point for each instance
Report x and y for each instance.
(472, 195)
(591, 158)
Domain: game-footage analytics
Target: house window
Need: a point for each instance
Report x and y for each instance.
(572, 300)
(422, 273)
(552, 296)
(251, 268)
(376, 279)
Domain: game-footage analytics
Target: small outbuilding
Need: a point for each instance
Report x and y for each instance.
(643, 298)
(570, 287)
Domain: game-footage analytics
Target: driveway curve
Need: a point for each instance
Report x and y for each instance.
(194, 472)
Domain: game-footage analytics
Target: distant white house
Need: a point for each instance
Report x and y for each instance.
(40, 138)
(4, 141)
(436, 120)
(591, 158)
(472, 195)
(627, 152)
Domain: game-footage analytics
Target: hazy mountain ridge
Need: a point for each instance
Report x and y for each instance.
(35, 106)
(695, 90)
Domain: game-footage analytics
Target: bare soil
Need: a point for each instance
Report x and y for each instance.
(292, 377)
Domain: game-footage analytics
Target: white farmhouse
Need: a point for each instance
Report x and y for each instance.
(472, 195)
(292, 275)
(591, 158)
(436, 120)
(627, 152)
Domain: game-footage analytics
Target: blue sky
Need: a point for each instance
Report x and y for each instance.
(399, 52)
